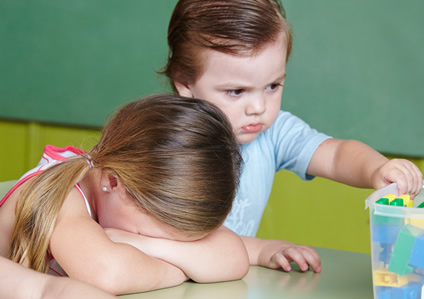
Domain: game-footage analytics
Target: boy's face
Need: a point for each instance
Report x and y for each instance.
(247, 89)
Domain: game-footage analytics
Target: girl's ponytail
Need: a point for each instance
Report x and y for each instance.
(37, 208)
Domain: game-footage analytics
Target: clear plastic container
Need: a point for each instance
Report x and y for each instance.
(397, 246)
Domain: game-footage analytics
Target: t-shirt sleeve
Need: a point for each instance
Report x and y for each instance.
(294, 143)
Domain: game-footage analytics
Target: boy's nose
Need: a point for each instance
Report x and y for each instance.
(256, 106)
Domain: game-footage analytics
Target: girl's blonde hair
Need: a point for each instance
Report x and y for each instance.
(177, 158)
(236, 27)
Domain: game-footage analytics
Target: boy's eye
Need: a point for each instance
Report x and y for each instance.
(235, 92)
(274, 86)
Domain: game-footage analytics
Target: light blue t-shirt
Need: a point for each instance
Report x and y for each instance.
(288, 144)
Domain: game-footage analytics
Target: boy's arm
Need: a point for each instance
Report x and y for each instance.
(17, 281)
(354, 163)
(84, 251)
(277, 254)
(220, 256)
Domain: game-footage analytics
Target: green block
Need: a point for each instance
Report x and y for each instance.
(383, 201)
(402, 250)
(397, 202)
(385, 220)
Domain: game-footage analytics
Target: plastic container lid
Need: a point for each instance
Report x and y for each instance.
(394, 211)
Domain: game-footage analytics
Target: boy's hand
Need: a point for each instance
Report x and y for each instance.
(403, 172)
(279, 257)
(275, 254)
(356, 164)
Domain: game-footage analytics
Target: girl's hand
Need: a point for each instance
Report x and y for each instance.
(219, 256)
(403, 172)
(275, 254)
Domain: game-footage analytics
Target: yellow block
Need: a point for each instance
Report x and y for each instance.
(406, 200)
(390, 279)
(391, 197)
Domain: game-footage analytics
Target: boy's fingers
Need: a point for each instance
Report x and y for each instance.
(312, 258)
(296, 255)
(282, 261)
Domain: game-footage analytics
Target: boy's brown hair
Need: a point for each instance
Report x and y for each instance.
(236, 27)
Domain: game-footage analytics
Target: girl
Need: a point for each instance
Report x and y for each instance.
(233, 53)
(142, 177)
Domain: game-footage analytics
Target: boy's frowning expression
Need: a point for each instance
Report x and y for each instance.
(247, 89)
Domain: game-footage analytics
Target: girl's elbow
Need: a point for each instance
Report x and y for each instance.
(106, 282)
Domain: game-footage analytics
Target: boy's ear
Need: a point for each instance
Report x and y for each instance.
(183, 89)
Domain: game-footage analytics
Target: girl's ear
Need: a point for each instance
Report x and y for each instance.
(116, 184)
(183, 89)
(111, 183)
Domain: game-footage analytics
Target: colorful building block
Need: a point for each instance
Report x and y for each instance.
(384, 220)
(385, 233)
(415, 222)
(389, 279)
(410, 291)
(383, 292)
(390, 197)
(417, 254)
(383, 201)
(402, 250)
(385, 253)
(407, 202)
(421, 205)
(397, 202)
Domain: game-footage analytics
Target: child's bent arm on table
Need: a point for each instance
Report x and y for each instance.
(84, 251)
(17, 281)
(356, 164)
(277, 254)
(220, 256)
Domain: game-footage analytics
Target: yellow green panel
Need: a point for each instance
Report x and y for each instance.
(24, 142)
(319, 213)
(41, 135)
(13, 144)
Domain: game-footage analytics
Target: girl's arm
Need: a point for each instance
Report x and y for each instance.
(356, 164)
(277, 254)
(220, 256)
(16, 281)
(83, 250)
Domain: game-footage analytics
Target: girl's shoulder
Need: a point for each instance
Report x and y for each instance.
(74, 205)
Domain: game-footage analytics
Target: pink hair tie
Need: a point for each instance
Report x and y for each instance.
(89, 162)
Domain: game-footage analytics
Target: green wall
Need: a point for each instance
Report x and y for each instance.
(356, 68)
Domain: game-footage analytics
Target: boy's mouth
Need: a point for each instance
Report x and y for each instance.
(252, 128)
